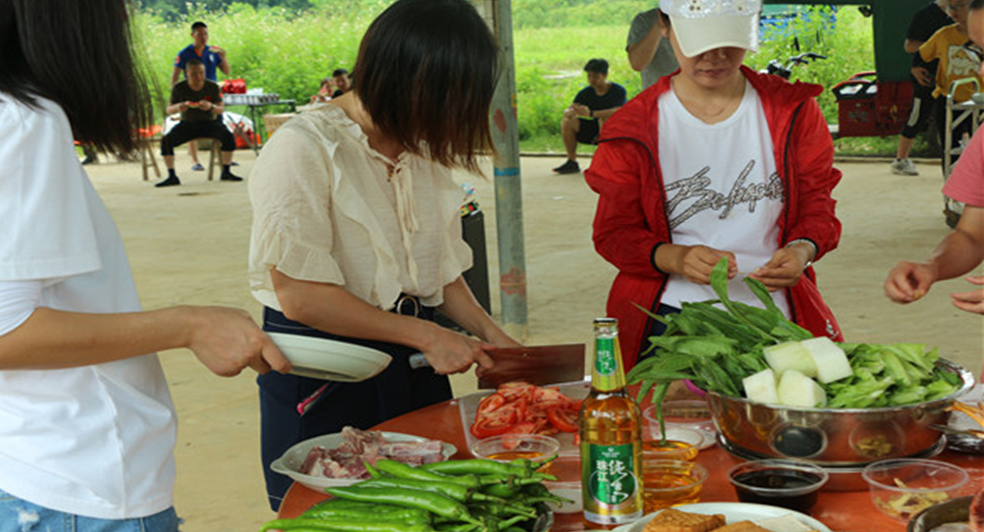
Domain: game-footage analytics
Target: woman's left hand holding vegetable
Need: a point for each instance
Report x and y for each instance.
(785, 267)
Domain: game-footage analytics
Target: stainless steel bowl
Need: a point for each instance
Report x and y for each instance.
(834, 437)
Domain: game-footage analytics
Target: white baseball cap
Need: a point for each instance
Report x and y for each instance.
(702, 25)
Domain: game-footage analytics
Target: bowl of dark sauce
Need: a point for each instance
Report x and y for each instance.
(787, 483)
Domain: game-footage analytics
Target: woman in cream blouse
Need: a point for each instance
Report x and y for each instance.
(356, 226)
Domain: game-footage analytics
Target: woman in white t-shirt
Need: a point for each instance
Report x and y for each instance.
(356, 224)
(87, 426)
(714, 161)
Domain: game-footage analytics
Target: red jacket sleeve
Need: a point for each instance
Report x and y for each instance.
(625, 231)
(812, 159)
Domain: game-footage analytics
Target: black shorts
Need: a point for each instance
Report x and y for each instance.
(587, 132)
(923, 107)
(185, 131)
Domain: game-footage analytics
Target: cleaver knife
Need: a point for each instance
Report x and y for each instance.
(539, 365)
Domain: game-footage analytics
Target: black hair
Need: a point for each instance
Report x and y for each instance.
(78, 55)
(598, 66)
(339, 72)
(976, 4)
(426, 72)
(198, 24)
(193, 62)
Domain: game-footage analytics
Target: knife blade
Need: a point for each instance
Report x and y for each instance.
(539, 365)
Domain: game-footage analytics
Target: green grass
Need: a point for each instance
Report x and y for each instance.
(288, 53)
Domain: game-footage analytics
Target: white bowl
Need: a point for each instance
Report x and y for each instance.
(320, 358)
(291, 461)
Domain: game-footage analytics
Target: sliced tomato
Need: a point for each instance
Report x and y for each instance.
(485, 427)
(515, 390)
(490, 403)
(564, 419)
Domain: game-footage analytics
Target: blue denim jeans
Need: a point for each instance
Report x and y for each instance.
(17, 515)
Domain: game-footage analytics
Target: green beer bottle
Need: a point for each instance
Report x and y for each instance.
(611, 439)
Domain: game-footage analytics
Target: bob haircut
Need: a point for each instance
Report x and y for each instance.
(77, 54)
(425, 73)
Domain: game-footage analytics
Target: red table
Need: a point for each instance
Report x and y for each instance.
(840, 511)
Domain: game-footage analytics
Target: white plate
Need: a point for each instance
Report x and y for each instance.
(320, 358)
(732, 512)
(290, 463)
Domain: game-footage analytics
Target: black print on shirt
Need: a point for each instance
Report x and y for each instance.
(697, 187)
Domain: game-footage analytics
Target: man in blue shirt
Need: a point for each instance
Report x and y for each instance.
(213, 57)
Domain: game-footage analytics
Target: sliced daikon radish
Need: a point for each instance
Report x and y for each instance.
(790, 355)
(761, 387)
(796, 389)
(830, 359)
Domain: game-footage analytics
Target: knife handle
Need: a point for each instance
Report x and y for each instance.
(418, 360)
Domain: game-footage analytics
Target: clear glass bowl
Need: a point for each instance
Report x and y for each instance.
(787, 483)
(671, 482)
(901, 488)
(507, 447)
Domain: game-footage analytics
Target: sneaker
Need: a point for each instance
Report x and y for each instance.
(570, 167)
(904, 167)
(229, 176)
(169, 182)
(197, 167)
(90, 160)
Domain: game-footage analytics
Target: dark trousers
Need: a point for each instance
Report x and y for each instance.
(656, 328)
(185, 131)
(923, 107)
(396, 391)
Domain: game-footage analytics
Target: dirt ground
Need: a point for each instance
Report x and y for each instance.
(189, 244)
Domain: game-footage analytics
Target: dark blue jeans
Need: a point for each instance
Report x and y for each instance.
(396, 391)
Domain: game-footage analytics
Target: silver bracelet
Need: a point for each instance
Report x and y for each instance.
(812, 245)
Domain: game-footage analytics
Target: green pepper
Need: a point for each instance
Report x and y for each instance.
(457, 492)
(478, 466)
(424, 500)
(331, 509)
(366, 524)
(401, 470)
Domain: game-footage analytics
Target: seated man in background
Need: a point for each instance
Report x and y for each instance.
(342, 81)
(592, 106)
(200, 103)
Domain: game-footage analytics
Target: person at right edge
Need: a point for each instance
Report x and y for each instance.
(357, 226)
(924, 24)
(746, 174)
(963, 249)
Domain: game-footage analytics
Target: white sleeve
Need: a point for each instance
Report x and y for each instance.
(18, 300)
(47, 229)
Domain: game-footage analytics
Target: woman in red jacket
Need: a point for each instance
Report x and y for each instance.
(743, 170)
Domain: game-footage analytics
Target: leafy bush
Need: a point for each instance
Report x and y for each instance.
(288, 51)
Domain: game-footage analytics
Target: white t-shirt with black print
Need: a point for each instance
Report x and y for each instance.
(722, 191)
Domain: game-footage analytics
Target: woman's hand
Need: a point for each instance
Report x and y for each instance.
(226, 340)
(452, 352)
(205, 105)
(909, 282)
(972, 301)
(785, 268)
(695, 263)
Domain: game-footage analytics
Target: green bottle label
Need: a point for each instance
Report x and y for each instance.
(605, 364)
(612, 479)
